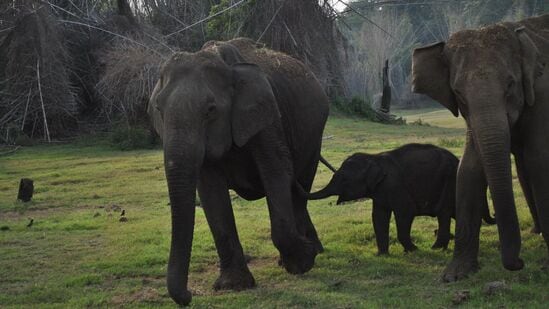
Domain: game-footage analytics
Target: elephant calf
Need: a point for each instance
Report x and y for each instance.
(413, 180)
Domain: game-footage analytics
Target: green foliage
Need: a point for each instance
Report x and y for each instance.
(450, 142)
(356, 106)
(130, 138)
(225, 26)
(23, 140)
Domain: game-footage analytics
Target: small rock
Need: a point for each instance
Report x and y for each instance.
(123, 219)
(335, 284)
(96, 215)
(494, 287)
(4, 228)
(460, 297)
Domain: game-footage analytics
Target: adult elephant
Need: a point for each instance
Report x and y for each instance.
(237, 116)
(495, 77)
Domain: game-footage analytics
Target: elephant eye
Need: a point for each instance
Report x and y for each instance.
(211, 110)
(510, 85)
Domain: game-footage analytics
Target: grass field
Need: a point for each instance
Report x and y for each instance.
(78, 254)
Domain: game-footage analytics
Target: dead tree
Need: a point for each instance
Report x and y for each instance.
(307, 30)
(386, 96)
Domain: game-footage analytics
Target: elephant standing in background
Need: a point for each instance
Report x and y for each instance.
(497, 79)
(236, 116)
(410, 181)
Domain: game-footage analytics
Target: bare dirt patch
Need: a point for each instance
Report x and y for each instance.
(146, 294)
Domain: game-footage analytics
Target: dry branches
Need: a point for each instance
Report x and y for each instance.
(130, 75)
(35, 45)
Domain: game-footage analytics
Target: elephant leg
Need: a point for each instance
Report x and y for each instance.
(381, 218)
(404, 222)
(443, 235)
(446, 206)
(527, 189)
(539, 181)
(470, 191)
(273, 161)
(214, 196)
(304, 224)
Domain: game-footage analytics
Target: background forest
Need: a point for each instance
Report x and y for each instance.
(80, 66)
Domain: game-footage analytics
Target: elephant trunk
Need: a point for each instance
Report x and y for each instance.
(329, 190)
(182, 162)
(492, 134)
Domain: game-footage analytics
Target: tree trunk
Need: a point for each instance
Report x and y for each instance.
(386, 96)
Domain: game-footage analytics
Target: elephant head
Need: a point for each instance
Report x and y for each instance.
(487, 75)
(357, 178)
(203, 104)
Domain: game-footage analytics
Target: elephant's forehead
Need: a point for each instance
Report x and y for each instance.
(190, 61)
(486, 37)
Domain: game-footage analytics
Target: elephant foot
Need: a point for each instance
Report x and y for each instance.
(410, 248)
(300, 257)
(514, 265)
(535, 230)
(182, 298)
(440, 244)
(459, 269)
(234, 279)
(382, 253)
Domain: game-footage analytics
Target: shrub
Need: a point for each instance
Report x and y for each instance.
(420, 122)
(23, 140)
(359, 107)
(450, 142)
(130, 138)
(356, 106)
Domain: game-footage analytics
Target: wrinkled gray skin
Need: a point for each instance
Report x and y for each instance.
(413, 180)
(497, 79)
(234, 116)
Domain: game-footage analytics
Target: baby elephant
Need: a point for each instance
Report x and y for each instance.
(413, 180)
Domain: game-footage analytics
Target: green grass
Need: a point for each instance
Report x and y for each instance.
(77, 253)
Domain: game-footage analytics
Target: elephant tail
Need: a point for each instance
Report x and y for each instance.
(327, 164)
(486, 213)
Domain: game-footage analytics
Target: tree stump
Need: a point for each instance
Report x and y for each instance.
(26, 189)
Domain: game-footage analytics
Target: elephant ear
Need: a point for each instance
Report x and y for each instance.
(431, 75)
(152, 110)
(532, 68)
(374, 175)
(254, 104)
